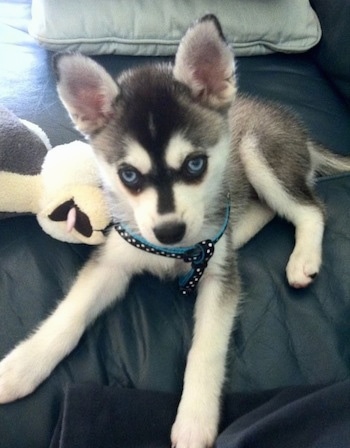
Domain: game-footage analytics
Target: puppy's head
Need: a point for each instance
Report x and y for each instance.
(160, 134)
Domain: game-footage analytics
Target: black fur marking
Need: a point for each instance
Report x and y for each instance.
(166, 200)
(152, 99)
(153, 107)
(152, 115)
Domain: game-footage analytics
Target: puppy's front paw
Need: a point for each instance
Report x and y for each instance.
(19, 375)
(303, 266)
(194, 429)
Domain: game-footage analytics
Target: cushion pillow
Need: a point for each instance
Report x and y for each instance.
(154, 27)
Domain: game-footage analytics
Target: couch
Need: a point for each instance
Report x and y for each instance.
(128, 367)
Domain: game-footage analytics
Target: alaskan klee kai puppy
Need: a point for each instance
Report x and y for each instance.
(188, 165)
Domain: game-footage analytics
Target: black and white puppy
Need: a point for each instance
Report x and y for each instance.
(173, 142)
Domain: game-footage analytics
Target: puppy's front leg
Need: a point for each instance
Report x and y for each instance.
(99, 282)
(197, 419)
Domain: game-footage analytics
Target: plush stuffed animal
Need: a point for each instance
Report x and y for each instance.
(60, 185)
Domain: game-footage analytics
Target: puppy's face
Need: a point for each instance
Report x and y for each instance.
(163, 156)
(160, 134)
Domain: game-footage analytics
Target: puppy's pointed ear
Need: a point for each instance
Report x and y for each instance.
(205, 63)
(86, 90)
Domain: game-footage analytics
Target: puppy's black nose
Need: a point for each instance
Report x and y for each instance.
(170, 233)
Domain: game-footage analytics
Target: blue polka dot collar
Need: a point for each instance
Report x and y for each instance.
(198, 255)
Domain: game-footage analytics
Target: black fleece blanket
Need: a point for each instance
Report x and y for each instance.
(298, 417)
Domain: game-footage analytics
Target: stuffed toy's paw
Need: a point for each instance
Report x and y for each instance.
(73, 207)
(60, 185)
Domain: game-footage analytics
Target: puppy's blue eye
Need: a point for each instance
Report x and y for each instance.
(131, 177)
(195, 166)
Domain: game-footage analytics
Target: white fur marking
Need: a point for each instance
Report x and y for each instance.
(151, 125)
(256, 216)
(138, 157)
(177, 151)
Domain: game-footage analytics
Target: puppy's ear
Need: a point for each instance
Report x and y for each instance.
(204, 62)
(86, 90)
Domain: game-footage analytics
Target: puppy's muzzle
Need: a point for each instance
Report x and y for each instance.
(170, 233)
